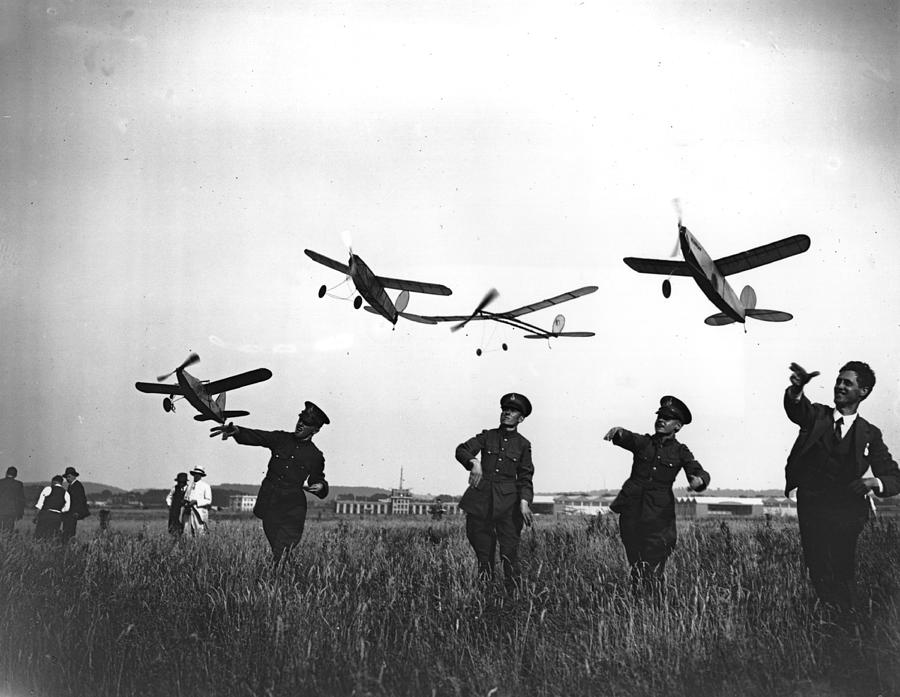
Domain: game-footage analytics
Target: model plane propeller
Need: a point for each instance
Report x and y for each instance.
(200, 394)
(710, 275)
(372, 288)
(511, 317)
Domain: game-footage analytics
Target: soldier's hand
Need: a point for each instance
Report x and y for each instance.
(527, 515)
(225, 430)
(475, 473)
(611, 433)
(313, 488)
(695, 482)
(799, 377)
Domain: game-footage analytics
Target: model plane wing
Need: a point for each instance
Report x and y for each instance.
(549, 302)
(414, 286)
(235, 381)
(759, 256)
(325, 261)
(156, 388)
(663, 267)
(434, 319)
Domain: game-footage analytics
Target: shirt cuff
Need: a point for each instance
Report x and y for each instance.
(880, 485)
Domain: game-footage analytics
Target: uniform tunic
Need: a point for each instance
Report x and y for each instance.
(645, 504)
(281, 502)
(492, 507)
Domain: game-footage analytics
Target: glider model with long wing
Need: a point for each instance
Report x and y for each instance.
(199, 393)
(372, 287)
(511, 317)
(710, 275)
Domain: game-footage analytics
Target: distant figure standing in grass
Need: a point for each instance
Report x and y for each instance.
(498, 500)
(197, 502)
(51, 504)
(78, 505)
(827, 466)
(646, 504)
(12, 500)
(175, 502)
(281, 503)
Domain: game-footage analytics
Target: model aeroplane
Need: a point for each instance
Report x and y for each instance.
(372, 287)
(511, 317)
(199, 393)
(710, 275)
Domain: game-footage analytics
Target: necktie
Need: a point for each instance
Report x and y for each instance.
(837, 429)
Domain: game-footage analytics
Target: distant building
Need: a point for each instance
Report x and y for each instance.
(241, 502)
(401, 502)
(583, 504)
(718, 506)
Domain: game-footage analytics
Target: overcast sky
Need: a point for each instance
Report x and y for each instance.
(166, 163)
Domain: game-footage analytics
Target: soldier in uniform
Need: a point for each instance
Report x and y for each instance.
(78, 505)
(296, 465)
(833, 451)
(646, 504)
(498, 500)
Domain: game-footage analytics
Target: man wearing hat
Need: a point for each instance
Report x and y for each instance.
(197, 502)
(827, 466)
(78, 505)
(646, 504)
(500, 491)
(295, 465)
(12, 500)
(175, 502)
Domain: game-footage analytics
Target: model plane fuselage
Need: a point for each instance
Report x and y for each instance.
(711, 281)
(373, 292)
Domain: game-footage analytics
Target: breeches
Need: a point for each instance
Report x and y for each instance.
(283, 526)
(484, 535)
(646, 541)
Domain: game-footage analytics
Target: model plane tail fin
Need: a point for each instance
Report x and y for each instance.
(748, 298)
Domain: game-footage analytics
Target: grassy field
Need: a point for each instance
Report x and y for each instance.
(392, 608)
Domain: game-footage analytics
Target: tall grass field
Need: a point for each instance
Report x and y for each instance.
(393, 607)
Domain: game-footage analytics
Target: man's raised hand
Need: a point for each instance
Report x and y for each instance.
(225, 430)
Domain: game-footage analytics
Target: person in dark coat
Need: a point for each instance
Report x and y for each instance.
(78, 505)
(12, 500)
(175, 502)
(296, 465)
(827, 466)
(498, 500)
(645, 503)
(51, 504)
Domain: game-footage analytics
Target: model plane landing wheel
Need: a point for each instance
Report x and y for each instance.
(357, 302)
(167, 404)
(477, 352)
(322, 290)
(505, 347)
(667, 288)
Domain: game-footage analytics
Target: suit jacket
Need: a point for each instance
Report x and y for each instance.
(816, 422)
(78, 505)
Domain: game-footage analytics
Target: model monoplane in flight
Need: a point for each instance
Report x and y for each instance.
(511, 317)
(710, 275)
(372, 287)
(200, 393)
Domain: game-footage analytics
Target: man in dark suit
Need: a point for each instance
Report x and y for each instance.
(295, 460)
(645, 503)
(498, 500)
(12, 500)
(78, 506)
(827, 465)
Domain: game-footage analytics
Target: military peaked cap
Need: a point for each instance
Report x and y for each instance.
(316, 414)
(673, 408)
(519, 402)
